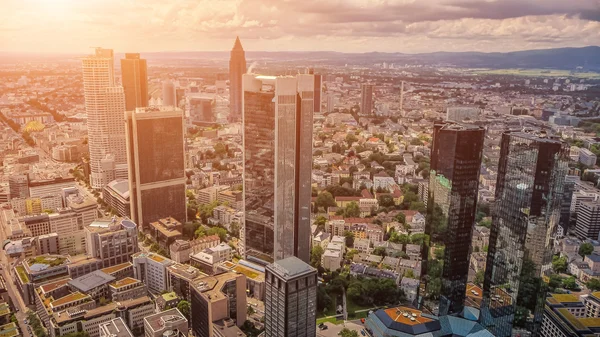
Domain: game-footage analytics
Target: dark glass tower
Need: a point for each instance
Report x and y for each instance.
(155, 156)
(135, 81)
(237, 67)
(531, 174)
(366, 99)
(453, 187)
(277, 121)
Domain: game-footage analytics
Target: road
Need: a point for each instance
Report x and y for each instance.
(16, 299)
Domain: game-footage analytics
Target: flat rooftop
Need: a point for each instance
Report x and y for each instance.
(115, 328)
(117, 268)
(91, 280)
(291, 267)
(157, 321)
(407, 316)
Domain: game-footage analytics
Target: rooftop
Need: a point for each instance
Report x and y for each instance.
(115, 328)
(291, 267)
(9, 330)
(124, 282)
(407, 316)
(41, 262)
(91, 280)
(76, 296)
(117, 268)
(211, 285)
(157, 321)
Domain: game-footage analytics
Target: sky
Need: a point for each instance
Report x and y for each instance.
(408, 26)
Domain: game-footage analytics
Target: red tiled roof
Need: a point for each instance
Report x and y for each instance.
(358, 220)
(347, 198)
(366, 194)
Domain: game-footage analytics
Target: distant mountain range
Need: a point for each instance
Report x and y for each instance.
(558, 58)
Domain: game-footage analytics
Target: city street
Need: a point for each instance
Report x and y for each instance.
(16, 299)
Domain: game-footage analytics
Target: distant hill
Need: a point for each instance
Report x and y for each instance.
(558, 58)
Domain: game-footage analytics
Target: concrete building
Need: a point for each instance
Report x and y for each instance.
(588, 220)
(18, 186)
(151, 269)
(366, 98)
(218, 302)
(207, 259)
(565, 316)
(47, 244)
(587, 157)
(160, 324)
(290, 299)
(166, 231)
(104, 105)
(461, 113)
(115, 328)
(116, 196)
(155, 154)
(112, 241)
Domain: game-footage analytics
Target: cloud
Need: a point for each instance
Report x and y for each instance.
(344, 25)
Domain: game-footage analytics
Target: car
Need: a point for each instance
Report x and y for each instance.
(362, 320)
(362, 332)
(325, 327)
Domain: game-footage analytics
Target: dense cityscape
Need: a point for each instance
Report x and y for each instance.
(175, 194)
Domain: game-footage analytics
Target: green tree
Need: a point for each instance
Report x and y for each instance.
(349, 238)
(438, 252)
(234, 229)
(418, 206)
(559, 264)
(399, 238)
(409, 273)
(325, 200)
(351, 253)
(401, 218)
(585, 249)
(379, 251)
(250, 310)
(184, 307)
(593, 284)
(315, 256)
(570, 283)
(479, 278)
(352, 210)
(386, 200)
(221, 232)
(487, 222)
(200, 232)
(320, 222)
(351, 138)
(348, 333)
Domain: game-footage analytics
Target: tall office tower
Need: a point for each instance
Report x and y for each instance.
(531, 174)
(318, 92)
(237, 68)
(565, 206)
(402, 98)
(169, 94)
(104, 105)
(330, 102)
(277, 121)
(453, 188)
(18, 186)
(202, 109)
(155, 154)
(366, 106)
(134, 72)
(290, 299)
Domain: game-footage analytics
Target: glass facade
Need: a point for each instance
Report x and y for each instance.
(134, 71)
(277, 166)
(531, 174)
(160, 146)
(453, 189)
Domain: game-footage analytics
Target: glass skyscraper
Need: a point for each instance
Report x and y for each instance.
(277, 122)
(531, 174)
(453, 188)
(237, 67)
(134, 71)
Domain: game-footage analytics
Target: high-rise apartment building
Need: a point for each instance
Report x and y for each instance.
(588, 220)
(155, 154)
(277, 122)
(134, 73)
(453, 188)
(531, 174)
(290, 299)
(112, 241)
(237, 67)
(366, 99)
(104, 105)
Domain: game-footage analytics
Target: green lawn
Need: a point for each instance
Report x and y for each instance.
(332, 320)
(329, 312)
(352, 307)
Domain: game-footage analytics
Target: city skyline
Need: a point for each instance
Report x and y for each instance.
(402, 26)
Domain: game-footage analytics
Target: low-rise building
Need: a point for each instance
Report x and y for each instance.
(151, 269)
(209, 258)
(163, 323)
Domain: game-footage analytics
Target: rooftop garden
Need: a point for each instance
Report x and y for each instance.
(249, 273)
(124, 282)
(113, 269)
(22, 274)
(52, 261)
(76, 296)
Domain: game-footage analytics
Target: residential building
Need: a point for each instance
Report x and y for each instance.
(181, 277)
(277, 207)
(255, 276)
(462, 113)
(531, 174)
(151, 269)
(237, 67)
(209, 194)
(587, 157)
(166, 231)
(113, 241)
(207, 259)
(134, 76)
(202, 109)
(216, 299)
(104, 106)
(169, 94)
(155, 154)
(453, 188)
(290, 299)
(564, 316)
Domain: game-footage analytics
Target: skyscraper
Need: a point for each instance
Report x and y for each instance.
(104, 105)
(366, 105)
(453, 188)
(237, 67)
(531, 174)
(134, 72)
(155, 154)
(318, 92)
(277, 121)
(169, 94)
(290, 299)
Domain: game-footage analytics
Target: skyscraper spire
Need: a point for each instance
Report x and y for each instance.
(237, 67)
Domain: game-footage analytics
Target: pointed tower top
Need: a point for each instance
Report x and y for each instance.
(237, 45)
